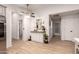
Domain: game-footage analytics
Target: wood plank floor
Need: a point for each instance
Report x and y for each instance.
(55, 46)
(2, 46)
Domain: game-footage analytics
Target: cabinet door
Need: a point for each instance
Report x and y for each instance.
(2, 11)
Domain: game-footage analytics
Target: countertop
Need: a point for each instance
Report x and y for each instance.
(37, 31)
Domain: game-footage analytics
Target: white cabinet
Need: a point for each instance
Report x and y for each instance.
(2, 10)
(37, 36)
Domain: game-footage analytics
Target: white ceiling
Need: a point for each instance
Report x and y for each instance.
(34, 7)
(31, 6)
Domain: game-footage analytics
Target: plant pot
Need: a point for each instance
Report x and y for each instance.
(29, 39)
(46, 41)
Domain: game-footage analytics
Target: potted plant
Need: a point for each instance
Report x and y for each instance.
(43, 28)
(45, 38)
(29, 38)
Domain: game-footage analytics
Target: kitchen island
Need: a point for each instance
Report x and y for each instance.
(37, 36)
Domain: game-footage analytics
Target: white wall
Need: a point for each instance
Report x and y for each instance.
(8, 27)
(26, 28)
(70, 23)
(15, 25)
(33, 24)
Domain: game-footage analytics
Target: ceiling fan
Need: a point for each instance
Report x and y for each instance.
(29, 12)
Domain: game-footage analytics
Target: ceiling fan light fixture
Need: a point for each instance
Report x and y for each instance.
(29, 13)
(27, 16)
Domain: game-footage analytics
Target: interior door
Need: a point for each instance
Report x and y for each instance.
(69, 29)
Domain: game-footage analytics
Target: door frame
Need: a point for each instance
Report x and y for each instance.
(20, 29)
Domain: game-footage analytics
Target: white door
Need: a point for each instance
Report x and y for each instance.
(69, 28)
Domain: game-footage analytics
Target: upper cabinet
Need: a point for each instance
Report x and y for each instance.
(2, 10)
(2, 14)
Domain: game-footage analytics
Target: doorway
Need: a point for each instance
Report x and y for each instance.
(17, 26)
(55, 29)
